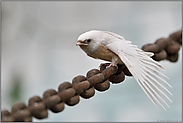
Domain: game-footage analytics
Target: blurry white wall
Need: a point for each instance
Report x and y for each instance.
(39, 53)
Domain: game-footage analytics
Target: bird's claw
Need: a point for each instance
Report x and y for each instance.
(112, 65)
(107, 65)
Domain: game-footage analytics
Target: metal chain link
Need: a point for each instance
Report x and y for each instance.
(164, 48)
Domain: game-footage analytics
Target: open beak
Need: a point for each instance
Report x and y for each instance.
(80, 43)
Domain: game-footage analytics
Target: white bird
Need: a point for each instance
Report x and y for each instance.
(112, 47)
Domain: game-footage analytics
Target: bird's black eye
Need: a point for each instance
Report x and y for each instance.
(89, 40)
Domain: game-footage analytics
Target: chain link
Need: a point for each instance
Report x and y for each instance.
(163, 48)
(166, 48)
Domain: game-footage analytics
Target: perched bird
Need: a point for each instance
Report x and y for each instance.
(112, 47)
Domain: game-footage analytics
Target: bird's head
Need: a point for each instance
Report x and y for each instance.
(89, 41)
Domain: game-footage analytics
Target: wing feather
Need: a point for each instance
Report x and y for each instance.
(145, 70)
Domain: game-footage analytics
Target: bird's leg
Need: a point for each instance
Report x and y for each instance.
(113, 63)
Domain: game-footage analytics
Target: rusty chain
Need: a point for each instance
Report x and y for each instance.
(164, 48)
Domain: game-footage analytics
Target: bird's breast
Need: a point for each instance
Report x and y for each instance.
(103, 53)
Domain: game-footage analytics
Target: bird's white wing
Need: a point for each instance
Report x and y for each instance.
(144, 69)
(115, 35)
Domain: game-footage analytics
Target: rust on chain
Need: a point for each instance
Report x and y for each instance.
(166, 48)
(163, 48)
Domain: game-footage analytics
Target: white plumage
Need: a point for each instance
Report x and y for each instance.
(113, 47)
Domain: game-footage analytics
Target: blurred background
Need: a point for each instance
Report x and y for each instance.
(39, 53)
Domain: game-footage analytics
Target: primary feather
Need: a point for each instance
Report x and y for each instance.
(145, 70)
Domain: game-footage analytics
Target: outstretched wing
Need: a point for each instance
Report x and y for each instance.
(145, 70)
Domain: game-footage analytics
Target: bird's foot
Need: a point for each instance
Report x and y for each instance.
(103, 64)
(107, 65)
(112, 65)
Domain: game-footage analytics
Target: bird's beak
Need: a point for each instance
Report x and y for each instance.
(79, 42)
